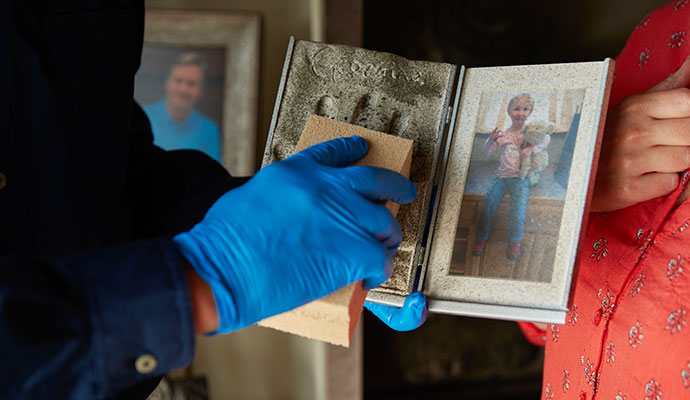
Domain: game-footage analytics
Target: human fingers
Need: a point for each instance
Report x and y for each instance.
(381, 184)
(377, 274)
(658, 158)
(652, 185)
(663, 104)
(410, 316)
(680, 78)
(629, 127)
(665, 159)
(617, 192)
(374, 255)
(338, 152)
(633, 147)
(413, 312)
(377, 221)
(669, 132)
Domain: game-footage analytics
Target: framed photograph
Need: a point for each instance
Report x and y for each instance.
(503, 161)
(516, 182)
(198, 83)
(515, 190)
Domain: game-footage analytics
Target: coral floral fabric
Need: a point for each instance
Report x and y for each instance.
(626, 335)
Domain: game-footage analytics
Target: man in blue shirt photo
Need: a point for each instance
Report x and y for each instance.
(175, 123)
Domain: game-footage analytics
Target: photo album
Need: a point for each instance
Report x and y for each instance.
(503, 159)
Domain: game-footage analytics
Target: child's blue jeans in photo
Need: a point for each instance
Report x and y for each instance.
(518, 189)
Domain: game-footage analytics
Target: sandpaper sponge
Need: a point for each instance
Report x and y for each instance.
(333, 318)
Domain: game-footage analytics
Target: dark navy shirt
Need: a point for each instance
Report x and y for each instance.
(90, 282)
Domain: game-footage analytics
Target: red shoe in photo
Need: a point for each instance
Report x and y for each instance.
(513, 251)
(479, 248)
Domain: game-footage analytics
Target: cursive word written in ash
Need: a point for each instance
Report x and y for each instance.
(328, 65)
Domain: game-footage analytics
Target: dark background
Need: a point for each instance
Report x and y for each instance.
(478, 33)
(449, 356)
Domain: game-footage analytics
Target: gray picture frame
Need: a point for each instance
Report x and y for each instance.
(506, 297)
(238, 34)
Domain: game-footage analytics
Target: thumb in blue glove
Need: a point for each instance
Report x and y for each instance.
(406, 318)
(298, 230)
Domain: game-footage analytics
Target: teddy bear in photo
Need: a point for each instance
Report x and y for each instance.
(534, 157)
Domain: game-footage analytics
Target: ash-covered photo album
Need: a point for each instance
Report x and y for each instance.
(503, 159)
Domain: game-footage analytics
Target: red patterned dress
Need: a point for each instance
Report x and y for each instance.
(626, 335)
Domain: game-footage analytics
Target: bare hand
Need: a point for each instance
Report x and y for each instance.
(495, 134)
(646, 144)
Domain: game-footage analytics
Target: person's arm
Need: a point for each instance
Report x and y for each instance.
(78, 324)
(527, 151)
(535, 148)
(534, 332)
(94, 324)
(204, 308)
(491, 142)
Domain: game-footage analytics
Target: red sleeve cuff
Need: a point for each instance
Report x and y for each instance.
(533, 334)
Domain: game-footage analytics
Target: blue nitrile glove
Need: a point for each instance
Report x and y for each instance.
(410, 316)
(298, 230)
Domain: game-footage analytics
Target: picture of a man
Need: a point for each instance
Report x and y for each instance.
(175, 122)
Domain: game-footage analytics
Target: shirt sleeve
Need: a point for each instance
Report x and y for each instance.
(532, 333)
(653, 51)
(94, 324)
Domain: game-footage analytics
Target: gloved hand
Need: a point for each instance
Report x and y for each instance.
(298, 230)
(410, 316)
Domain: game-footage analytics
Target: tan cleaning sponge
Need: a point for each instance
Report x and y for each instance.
(333, 318)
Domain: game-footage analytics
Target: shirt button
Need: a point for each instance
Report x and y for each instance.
(597, 317)
(3, 181)
(145, 364)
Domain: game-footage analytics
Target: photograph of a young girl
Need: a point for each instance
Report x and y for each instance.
(516, 184)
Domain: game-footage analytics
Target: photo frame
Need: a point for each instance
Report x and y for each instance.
(228, 45)
(465, 277)
(450, 111)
